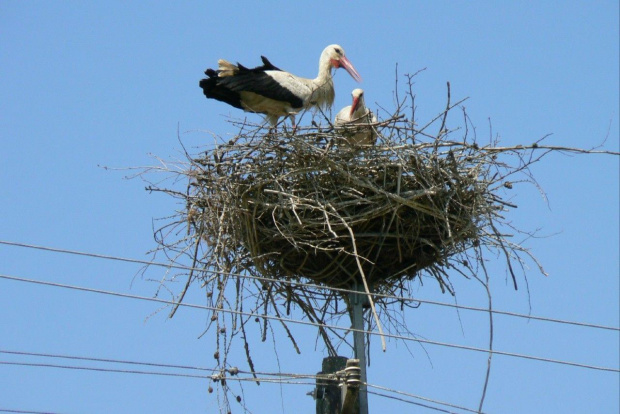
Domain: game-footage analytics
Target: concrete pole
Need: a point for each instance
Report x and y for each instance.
(327, 392)
(357, 321)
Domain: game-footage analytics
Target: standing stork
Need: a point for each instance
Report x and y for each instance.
(273, 92)
(353, 118)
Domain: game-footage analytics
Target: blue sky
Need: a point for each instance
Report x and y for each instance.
(87, 85)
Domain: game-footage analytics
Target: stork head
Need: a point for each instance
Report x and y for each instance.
(358, 100)
(337, 59)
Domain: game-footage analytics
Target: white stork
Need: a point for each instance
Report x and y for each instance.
(271, 91)
(353, 118)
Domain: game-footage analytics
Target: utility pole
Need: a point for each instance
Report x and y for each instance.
(341, 390)
(337, 390)
(327, 392)
(358, 302)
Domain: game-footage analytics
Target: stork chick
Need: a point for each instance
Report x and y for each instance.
(355, 119)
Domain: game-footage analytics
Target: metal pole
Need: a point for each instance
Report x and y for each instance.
(357, 322)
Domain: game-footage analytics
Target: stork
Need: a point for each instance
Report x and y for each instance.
(273, 92)
(353, 118)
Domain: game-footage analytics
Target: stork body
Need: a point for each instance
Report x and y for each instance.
(273, 92)
(353, 118)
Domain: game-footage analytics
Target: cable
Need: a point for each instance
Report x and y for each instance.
(412, 402)
(38, 364)
(335, 327)
(311, 285)
(231, 378)
(115, 361)
(6, 410)
(418, 397)
(157, 373)
(154, 364)
(293, 378)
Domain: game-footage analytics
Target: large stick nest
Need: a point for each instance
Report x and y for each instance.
(310, 206)
(301, 215)
(275, 221)
(295, 218)
(306, 205)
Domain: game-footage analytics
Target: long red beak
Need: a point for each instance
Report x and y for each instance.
(356, 102)
(348, 66)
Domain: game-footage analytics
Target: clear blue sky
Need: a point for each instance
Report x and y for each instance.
(91, 84)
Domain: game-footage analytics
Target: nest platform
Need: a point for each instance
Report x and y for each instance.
(310, 207)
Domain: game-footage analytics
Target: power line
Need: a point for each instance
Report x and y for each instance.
(282, 378)
(154, 364)
(155, 373)
(87, 254)
(411, 402)
(228, 378)
(6, 410)
(417, 397)
(106, 360)
(300, 322)
(311, 285)
(124, 371)
(289, 381)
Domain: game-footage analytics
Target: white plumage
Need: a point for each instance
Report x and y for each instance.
(271, 91)
(354, 120)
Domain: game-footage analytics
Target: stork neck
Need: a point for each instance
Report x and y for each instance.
(325, 69)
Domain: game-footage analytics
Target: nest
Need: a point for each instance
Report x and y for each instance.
(308, 206)
(295, 217)
(276, 222)
(305, 206)
(303, 215)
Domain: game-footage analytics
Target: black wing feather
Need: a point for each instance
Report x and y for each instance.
(228, 88)
(211, 89)
(267, 64)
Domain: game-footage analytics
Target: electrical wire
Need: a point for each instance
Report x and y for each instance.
(311, 285)
(215, 371)
(300, 322)
(166, 374)
(6, 410)
(106, 360)
(156, 373)
(123, 371)
(417, 397)
(282, 378)
(229, 378)
(441, 410)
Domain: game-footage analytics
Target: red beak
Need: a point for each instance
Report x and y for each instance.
(356, 102)
(348, 66)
